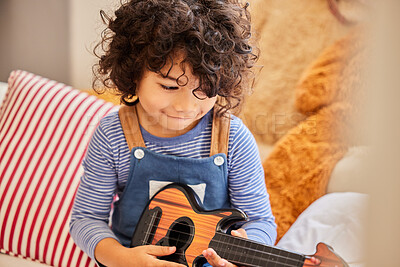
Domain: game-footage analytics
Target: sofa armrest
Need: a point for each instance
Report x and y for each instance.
(10, 261)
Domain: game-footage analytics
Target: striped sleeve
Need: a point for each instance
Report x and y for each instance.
(247, 185)
(90, 215)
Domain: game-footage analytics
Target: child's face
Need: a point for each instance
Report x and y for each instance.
(168, 109)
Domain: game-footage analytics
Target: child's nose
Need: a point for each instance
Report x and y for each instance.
(185, 102)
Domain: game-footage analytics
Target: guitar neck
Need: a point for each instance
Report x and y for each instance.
(249, 253)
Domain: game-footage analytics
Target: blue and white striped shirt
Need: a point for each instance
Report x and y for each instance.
(106, 170)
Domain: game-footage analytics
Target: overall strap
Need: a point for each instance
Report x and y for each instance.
(220, 134)
(130, 126)
(133, 136)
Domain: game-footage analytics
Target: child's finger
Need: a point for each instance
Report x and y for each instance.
(315, 261)
(162, 263)
(226, 263)
(215, 260)
(212, 257)
(239, 232)
(159, 250)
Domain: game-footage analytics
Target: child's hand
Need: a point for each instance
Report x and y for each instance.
(112, 254)
(147, 256)
(215, 260)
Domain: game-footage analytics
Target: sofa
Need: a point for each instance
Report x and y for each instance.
(44, 130)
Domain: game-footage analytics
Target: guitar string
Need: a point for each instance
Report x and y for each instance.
(253, 257)
(213, 232)
(234, 245)
(238, 262)
(246, 263)
(225, 243)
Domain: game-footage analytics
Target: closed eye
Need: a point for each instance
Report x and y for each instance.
(169, 87)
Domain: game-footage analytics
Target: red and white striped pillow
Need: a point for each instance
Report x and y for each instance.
(45, 127)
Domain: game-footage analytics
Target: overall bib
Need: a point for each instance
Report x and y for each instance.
(150, 171)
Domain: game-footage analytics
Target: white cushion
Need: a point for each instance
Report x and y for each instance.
(45, 127)
(3, 90)
(337, 219)
(348, 174)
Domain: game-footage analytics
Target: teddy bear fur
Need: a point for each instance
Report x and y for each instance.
(298, 169)
(290, 35)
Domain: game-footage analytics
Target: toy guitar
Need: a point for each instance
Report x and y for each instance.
(173, 217)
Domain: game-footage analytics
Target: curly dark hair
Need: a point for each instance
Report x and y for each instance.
(215, 36)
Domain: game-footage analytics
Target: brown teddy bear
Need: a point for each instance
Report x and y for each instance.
(297, 170)
(290, 35)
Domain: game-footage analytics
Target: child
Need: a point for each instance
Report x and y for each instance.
(180, 67)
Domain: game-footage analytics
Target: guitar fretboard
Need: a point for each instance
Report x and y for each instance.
(249, 253)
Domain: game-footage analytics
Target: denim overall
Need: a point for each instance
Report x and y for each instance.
(149, 171)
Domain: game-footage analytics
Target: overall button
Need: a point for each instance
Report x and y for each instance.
(139, 153)
(219, 160)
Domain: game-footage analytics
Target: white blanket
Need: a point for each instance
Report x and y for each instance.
(337, 219)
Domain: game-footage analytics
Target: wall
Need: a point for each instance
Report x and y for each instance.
(85, 27)
(34, 37)
(382, 123)
(51, 38)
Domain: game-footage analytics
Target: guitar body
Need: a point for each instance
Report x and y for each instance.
(173, 217)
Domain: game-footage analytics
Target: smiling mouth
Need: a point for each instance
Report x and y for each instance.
(180, 118)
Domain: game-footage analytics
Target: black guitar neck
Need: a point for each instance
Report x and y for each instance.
(249, 253)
